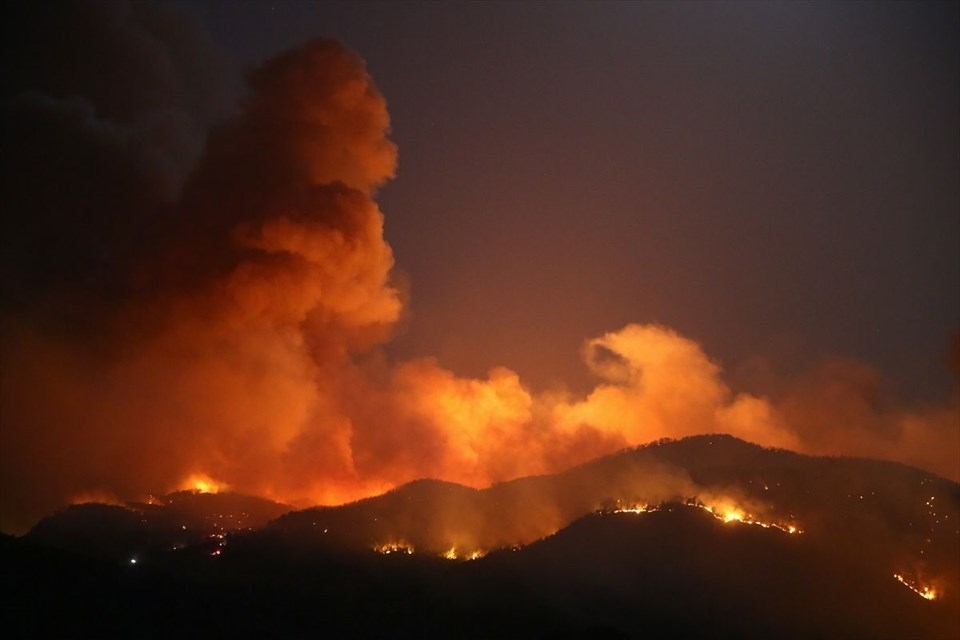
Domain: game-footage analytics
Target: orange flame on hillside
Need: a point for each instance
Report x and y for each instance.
(388, 548)
(202, 483)
(926, 592)
(728, 511)
(723, 509)
(453, 554)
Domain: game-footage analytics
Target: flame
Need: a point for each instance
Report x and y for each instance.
(636, 508)
(727, 510)
(452, 554)
(403, 547)
(394, 547)
(723, 509)
(924, 591)
(202, 483)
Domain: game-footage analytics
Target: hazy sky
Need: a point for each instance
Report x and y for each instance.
(772, 179)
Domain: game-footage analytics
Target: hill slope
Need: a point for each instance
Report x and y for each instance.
(704, 537)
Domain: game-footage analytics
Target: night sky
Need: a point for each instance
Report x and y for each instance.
(312, 251)
(775, 180)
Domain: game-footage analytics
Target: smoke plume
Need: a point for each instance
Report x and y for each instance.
(196, 282)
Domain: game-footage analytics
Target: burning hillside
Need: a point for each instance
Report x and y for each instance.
(875, 515)
(694, 535)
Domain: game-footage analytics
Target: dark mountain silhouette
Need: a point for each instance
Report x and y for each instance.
(888, 514)
(571, 555)
(169, 522)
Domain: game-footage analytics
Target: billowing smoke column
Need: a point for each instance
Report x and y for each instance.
(197, 290)
(204, 328)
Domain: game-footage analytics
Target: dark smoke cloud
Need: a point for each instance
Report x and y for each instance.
(195, 283)
(105, 109)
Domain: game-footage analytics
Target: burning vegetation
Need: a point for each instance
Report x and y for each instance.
(722, 509)
(924, 591)
(202, 483)
(394, 547)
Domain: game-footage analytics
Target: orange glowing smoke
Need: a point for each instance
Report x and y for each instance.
(245, 351)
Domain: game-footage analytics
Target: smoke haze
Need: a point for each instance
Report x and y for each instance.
(196, 283)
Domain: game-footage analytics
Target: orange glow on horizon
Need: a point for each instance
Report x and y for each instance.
(98, 497)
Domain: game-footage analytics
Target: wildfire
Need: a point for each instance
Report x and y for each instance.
(394, 547)
(402, 547)
(202, 483)
(729, 512)
(637, 508)
(925, 592)
(724, 510)
(452, 554)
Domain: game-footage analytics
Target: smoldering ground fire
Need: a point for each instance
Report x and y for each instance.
(200, 288)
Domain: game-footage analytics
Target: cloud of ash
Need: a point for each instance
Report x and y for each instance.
(192, 289)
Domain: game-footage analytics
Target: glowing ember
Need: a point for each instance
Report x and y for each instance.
(927, 593)
(394, 547)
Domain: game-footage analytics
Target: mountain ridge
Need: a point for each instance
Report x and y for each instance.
(746, 534)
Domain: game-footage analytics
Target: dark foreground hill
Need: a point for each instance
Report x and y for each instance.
(704, 537)
(170, 522)
(673, 573)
